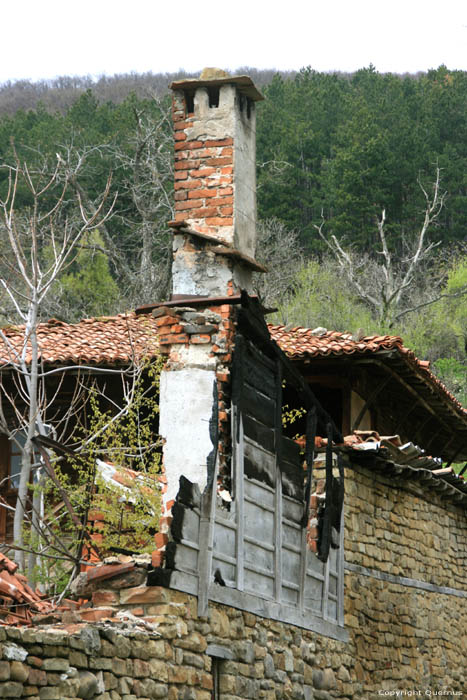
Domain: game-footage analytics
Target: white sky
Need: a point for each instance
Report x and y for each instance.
(47, 38)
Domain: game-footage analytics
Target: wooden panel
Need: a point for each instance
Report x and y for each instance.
(290, 565)
(259, 493)
(260, 377)
(289, 595)
(227, 570)
(292, 510)
(258, 584)
(258, 523)
(291, 535)
(258, 405)
(190, 525)
(292, 480)
(313, 597)
(224, 540)
(259, 433)
(258, 558)
(258, 463)
(290, 451)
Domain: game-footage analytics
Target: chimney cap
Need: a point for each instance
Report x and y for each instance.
(213, 77)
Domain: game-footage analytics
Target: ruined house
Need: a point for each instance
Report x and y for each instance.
(319, 559)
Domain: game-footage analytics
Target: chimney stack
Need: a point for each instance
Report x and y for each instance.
(215, 184)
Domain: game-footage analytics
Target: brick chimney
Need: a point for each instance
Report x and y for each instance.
(215, 184)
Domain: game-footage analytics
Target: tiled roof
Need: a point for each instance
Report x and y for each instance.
(17, 598)
(107, 340)
(304, 343)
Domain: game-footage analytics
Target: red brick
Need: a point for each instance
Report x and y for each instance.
(180, 195)
(180, 136)
(225, 191)
(227, 170)
(200, 338)
(190, 185)
(221, 201)
(218, 161)
(220, 142)
(223, 376)
(161, 539)
(188, 145)
(313, 533)
(96, 515)
(174, 338)
(166, 321)
(202, 193)
(180, 216)
(223, 416)
(202, 213)
(183, 125)
(202, 172)
(137, 611)
(187, 164)
(189, 204)
(181, 175)
(157, 559)
(313, 545)
(219, 221)
(314, 502)
(226, 211)
(104, 598)
(227, 152)
(95, 614)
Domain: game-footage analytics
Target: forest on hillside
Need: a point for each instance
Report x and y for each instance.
(334, 151)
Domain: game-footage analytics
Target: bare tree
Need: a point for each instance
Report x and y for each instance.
(387, 286)
(280, 251)
(42, 243)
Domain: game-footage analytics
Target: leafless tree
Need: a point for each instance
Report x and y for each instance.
(149, 183)
(387, 286)
(280, 251)
(41, 244)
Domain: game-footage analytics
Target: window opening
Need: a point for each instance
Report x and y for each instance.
(213, 93)
(241, 102)
(189, 101)
(215, 671)
(249, 107)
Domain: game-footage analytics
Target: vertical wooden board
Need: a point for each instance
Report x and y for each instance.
(227, 570)
(333, 558)
(258, 584)
(259, 493)
(259, 464)
(259, 376)
(262, 434)
(257, 557)
(258, 405)
(186, 559)
(259, 523)
(190, 525)
(332, 610)
(292, 479)
(314, 565)
(292, 510)
(332, 584)
(291, 451)
(290, 566)
(313, 595)
(289, 595)
(224, 540)
(291, 535)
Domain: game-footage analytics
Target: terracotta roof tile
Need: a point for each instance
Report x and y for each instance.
(106, 340)
(303, 343)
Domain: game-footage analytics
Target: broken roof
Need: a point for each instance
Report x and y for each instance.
(386, 358)
(107, 340)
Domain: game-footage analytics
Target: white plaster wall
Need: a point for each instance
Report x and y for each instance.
(245, 179)
(195, 272)
(213, 122)
(186, 399)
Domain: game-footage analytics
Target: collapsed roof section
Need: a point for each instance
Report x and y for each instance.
(425, 410)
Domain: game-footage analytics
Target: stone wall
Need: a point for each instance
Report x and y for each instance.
(151, 643)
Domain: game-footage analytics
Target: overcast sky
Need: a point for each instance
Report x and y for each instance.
(47, 38)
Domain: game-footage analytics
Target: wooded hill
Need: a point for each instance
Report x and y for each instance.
(332, 149)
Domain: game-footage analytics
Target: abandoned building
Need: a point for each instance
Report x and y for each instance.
(314, 559)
